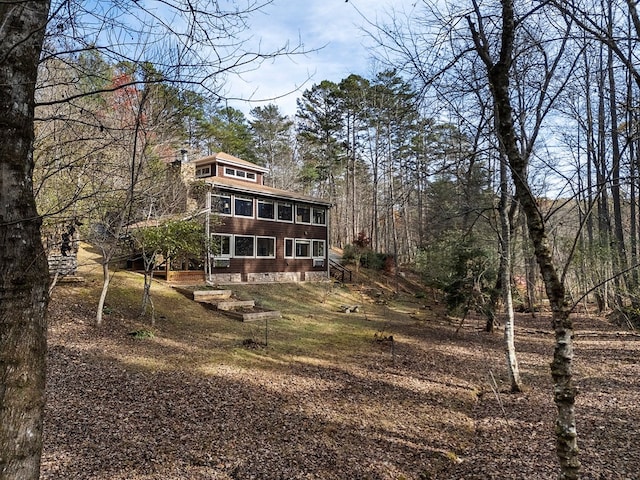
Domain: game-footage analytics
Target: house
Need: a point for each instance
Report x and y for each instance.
(259, 233)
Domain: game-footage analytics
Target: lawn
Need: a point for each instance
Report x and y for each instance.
(389, 392)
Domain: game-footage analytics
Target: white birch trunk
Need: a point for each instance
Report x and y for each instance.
(505, 271)
(106, 279)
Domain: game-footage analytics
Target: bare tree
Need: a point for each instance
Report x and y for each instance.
(23, 267)
(506, 234)
(518, 66)
(499, 65)
(194, 43)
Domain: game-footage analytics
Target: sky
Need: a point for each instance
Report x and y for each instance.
(332, 26)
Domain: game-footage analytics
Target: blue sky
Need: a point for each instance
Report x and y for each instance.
(334, 25)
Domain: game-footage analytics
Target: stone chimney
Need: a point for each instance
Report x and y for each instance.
(187, 170)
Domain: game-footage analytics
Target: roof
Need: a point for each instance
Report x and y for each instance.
(226, 159)
(162, 219)
(263, 190)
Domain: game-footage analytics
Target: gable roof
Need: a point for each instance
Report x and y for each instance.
(262, 190)
(226, 159)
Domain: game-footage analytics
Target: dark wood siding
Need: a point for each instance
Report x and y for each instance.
(267, 228)
(279, 230)
(232, 225)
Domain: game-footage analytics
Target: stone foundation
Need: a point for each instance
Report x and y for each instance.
(274, 277)
(268, 277)
(62, 265)
(217, 278)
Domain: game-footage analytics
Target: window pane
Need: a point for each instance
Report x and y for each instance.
(303, 248)
(266, 247)
(285, 212)
(265, 209)
(319, 216)
(288, 247)
(318, 248)
(303, 214)
(221, 204)
(203, 171)
(244, 207)
(243, 246)
(221, 245)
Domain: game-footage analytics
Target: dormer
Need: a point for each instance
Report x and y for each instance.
(224, 165)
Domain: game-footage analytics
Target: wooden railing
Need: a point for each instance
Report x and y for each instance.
(339, 272)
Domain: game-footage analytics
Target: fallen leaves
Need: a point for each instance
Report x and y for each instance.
(427, 413)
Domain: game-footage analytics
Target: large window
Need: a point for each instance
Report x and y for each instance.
(221, 204)
(244, 246)
(303, 248)
(266, 209)
(318, 249)
(303, 214)
(221, 245)
(319, 216)
(243, 207)
(265, 247)
(285, 212)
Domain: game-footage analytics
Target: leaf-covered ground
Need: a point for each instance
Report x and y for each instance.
(330, 396)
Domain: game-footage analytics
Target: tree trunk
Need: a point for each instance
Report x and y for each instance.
(561, 367)
(147, 301)
(106, 279)
(505, 280)
(24, 274)
(620, 254)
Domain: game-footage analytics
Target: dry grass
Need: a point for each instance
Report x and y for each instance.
(329, 397)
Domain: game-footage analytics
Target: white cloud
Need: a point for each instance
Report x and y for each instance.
(333, 26)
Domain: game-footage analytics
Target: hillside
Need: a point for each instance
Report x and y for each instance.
(389, 392)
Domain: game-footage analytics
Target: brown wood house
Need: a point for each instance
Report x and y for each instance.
(259, 233)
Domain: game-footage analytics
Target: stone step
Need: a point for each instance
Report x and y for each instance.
(211, 296)
(231, 304)
(253, 316)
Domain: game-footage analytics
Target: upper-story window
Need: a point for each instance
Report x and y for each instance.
(319, 216)
(266, 209)
(221, 204)
(204, 171)
(243, 207)
(285, 212)
(303, 214)
(243, 174)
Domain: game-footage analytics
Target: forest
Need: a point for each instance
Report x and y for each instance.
(495, 153)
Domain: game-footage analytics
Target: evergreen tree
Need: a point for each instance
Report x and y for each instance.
(273, 137)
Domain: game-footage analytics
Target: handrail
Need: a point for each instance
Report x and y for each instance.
(341, 269)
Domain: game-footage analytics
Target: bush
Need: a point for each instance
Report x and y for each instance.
(349, 253)
(142, 334)
(461, 267)
(366, 257)
(373, 260)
